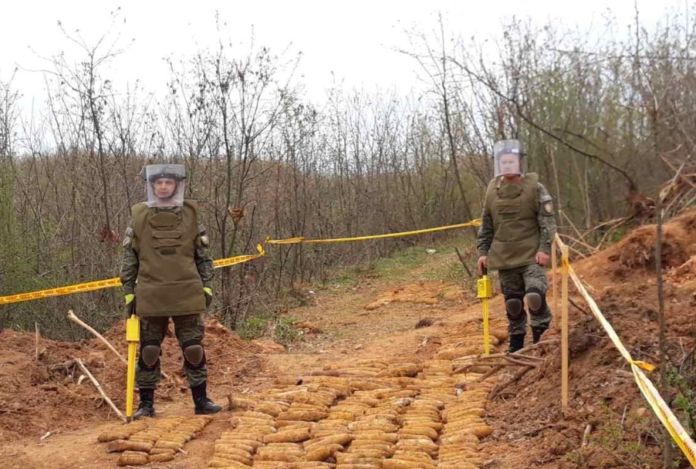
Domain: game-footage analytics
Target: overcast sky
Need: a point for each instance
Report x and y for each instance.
(349, 41)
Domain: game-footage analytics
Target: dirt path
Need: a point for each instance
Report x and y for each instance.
(377, 354)
(337, 330)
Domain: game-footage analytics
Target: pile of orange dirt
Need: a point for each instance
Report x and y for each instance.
(531, 428)
(48, 394)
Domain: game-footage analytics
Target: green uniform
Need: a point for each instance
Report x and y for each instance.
(515, 283)
(517, 223)
(153, 330)
(166, 264)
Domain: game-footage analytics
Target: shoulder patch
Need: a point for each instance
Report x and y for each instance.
(548, 207)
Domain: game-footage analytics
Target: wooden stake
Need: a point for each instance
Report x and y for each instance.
(571, 248)
(667, 452)
(554, 284)
(99, 388)
(564, 328)
(36, 325)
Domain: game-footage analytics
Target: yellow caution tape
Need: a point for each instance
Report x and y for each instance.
(644, 365)
(661, 409)
(60, 291)
(115, 282)
(302, 240)
(666, 416)
(110, 283)
(239, 259)
(284, 241)
(606, 324)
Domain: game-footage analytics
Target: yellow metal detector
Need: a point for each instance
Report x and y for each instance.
(133, 338)
(485, 292)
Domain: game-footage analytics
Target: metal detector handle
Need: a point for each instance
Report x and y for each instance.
(133, 338)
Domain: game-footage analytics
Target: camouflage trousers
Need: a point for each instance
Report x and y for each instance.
(515, 283)
(153, 331)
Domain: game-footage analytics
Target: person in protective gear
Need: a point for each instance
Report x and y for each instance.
(167, 272)
(518, 227)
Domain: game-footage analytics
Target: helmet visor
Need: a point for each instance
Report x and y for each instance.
(509, 158)
(166, 184)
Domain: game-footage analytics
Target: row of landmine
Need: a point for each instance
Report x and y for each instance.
(367, 414)
(362, 414)
(152, 440)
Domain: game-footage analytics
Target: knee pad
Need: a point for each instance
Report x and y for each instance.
(536, 300)
(514, 307)
(149, 354)
(194, 354)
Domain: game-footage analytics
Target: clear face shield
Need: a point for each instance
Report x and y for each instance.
(509, 158)
(166, 184)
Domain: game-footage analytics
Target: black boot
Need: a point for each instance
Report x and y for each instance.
(201, 401)
(537, 333)
(146, 407)
(516, 343)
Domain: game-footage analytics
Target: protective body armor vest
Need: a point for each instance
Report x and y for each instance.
(514, 209)
(165, 241)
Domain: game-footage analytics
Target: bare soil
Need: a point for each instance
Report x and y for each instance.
(50, 417)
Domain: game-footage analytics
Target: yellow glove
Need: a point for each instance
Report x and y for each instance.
(130, 304)
(208, 295)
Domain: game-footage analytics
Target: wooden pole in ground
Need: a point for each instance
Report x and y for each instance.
(36, 325)
(667, 449)
(564, 328)
(554, 285)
